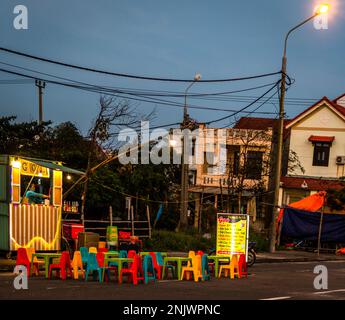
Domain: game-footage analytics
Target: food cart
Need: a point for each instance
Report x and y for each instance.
(31, 225)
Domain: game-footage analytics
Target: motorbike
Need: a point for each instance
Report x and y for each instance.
(251, 253)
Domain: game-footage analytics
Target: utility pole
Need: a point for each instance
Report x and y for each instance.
(279, 153)
(40, 85)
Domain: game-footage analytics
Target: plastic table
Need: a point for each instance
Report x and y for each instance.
(216, 260)
(119, 261)
(143, 253)
(178, 261)
(47, 257)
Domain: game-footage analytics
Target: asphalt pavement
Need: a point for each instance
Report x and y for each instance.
(271, 281)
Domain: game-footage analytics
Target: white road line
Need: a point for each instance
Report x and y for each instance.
(331, 291)
(277, 298)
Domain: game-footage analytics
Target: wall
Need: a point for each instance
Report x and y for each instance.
(323, 122)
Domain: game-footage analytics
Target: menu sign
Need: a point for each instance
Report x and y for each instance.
(232, 233)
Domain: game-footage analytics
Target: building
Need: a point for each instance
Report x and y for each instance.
(239, 184)
(317, 137)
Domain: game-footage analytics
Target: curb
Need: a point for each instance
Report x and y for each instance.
(297, 260)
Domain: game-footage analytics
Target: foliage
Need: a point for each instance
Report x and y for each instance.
(163, 240)
(262, 241)
(336, 199)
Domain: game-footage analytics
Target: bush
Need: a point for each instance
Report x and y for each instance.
(163, 240)
(262, 242)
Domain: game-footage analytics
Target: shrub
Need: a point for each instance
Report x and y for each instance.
(163, 240)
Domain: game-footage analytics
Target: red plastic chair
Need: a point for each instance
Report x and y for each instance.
(23, 260)
(61, 267)
(200, 253)
(156, 266)
(103, 249)
(242, 266)
(132, 271)
(100, 260)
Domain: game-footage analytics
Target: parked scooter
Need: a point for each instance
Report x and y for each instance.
(251, 253)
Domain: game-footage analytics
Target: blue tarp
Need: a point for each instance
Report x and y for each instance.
(304, 225)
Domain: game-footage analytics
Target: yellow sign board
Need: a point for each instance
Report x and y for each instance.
(232, 233)
(29, 168)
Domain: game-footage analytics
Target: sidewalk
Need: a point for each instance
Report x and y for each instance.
(295, 256)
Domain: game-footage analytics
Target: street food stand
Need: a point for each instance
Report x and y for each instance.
(31, 225)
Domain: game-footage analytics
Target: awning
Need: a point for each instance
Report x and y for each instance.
(321, 139)
(55, 166)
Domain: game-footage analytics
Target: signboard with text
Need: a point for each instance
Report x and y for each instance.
(32, 169)
(232, 233)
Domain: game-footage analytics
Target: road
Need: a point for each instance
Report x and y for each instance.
(274, 281)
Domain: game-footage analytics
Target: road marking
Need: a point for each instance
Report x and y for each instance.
(331, 291)
(277, 298)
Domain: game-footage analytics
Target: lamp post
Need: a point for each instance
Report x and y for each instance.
(184, 166)
(322, 9)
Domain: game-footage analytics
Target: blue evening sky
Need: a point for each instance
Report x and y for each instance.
(219, 39)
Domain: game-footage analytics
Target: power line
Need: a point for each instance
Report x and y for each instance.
(244, 108)
(64, 64)
(97, 89)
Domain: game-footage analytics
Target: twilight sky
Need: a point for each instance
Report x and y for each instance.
(175, 39)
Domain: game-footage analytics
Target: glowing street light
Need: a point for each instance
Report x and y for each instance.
(322, 8)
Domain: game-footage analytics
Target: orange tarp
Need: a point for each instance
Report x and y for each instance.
(312, 203)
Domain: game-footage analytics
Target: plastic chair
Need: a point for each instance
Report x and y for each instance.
(200, 253)
(195, 268)
(30, 252)
(122, 254)
(158, 268)
(204, 268)
(61, 267)
(242, 266)
(101, 244)
(103, 249)
(77, 264)
(191, 254)
(23, 260)
(100, 261)
(168, 267)
(84, 254)
(132, 271)
(232, 267)
(93, 250)
(92, 265)
(148, 269)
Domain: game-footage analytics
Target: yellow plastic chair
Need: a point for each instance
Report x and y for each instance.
(191, 254)
(195, 269)
(93, 250)
(77, 264)
(230, 269)
(102, 244)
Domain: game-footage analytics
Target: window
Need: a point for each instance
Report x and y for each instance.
(254, 165)
(321, 154)
(233, 159)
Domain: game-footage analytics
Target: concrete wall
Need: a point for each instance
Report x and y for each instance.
(322, 122)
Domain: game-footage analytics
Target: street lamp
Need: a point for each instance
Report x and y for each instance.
(184, 166)
(321, 9)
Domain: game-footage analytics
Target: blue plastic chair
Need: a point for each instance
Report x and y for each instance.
(92, 266)
(160, 262)
(204, 268)
(84, 254)
(148, 269)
